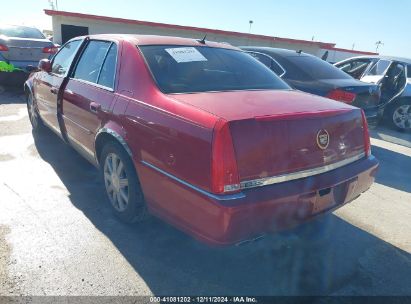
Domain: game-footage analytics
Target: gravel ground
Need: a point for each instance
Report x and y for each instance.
(58, 236)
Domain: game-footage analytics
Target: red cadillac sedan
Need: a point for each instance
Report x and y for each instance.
(201, 134)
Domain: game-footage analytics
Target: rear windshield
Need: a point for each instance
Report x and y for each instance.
(311, 68)
(181, 69)
(21, 32)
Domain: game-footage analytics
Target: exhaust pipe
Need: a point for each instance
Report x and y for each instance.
(249, 241)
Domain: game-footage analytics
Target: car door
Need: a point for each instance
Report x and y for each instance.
(89, 94)
(377, 71)
(47, 84)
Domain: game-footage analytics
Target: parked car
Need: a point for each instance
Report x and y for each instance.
(310, 74)
(201, 134)
(24, 46)
(393, 75)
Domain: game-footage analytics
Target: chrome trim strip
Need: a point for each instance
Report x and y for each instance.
(210, 195)
(300, 174)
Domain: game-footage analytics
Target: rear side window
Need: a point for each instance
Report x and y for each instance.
(409, 71)
(62, 60)
(269, 62)
(21, 32)
(187, 69)
(91, 61)
(262, 58)
(108, 69)
(354, 66)
(277, 68)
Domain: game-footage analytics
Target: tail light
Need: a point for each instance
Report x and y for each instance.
(341, 95)
(224, 171)
(50, 50)
(367, 142)
(3, 48)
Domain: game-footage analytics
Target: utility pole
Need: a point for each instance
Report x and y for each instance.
(51, 3)
(251, 23)
(353, 46)
(378, 44)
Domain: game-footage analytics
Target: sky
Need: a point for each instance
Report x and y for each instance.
(344, 22)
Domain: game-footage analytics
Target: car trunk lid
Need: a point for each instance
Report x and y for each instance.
(280, 132)
(366, 95)
(23, 49)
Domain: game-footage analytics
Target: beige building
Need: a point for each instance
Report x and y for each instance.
(67, 25)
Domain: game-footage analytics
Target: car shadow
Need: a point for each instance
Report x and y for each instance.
(326, 256)
(394, 170)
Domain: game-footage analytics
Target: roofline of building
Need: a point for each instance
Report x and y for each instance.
(187, 28)
(349, 51)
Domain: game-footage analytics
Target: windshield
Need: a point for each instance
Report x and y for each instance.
(21, 32)
(180, 69)
(311, 68)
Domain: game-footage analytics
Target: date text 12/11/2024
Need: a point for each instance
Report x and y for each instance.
(203, 299)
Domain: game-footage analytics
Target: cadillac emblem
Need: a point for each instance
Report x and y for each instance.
(323, 139)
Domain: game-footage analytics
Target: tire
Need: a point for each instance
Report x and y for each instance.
(399, 115)
(34, 116)
(122, 184)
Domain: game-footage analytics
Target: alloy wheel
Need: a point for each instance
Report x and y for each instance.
(116, 182)
(402, 117)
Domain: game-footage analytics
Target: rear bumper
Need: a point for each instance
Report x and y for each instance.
(224, 220)
(24, 64)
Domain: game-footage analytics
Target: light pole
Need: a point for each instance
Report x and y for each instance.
(378, 44)
(251, 23)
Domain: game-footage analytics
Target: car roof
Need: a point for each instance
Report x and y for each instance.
(392, 58)
(140, 40)
(277, 51)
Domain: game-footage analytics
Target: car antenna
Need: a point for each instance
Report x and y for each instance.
(299, 52)
(203, 41)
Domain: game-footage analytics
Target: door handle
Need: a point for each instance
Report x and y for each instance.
(95, 107)
(53, 90)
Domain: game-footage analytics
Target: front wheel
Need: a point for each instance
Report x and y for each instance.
(400, 115)
(122, 184)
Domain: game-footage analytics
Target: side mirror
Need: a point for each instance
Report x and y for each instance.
(45, 65)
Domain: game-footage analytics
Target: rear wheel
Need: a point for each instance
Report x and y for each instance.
(122, 184)
(400, 115)
(34, 116)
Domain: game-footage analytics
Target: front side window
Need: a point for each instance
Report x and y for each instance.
(379, 68)
(409, 71)
(186, 69)
(91, 61)
(62, 60)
